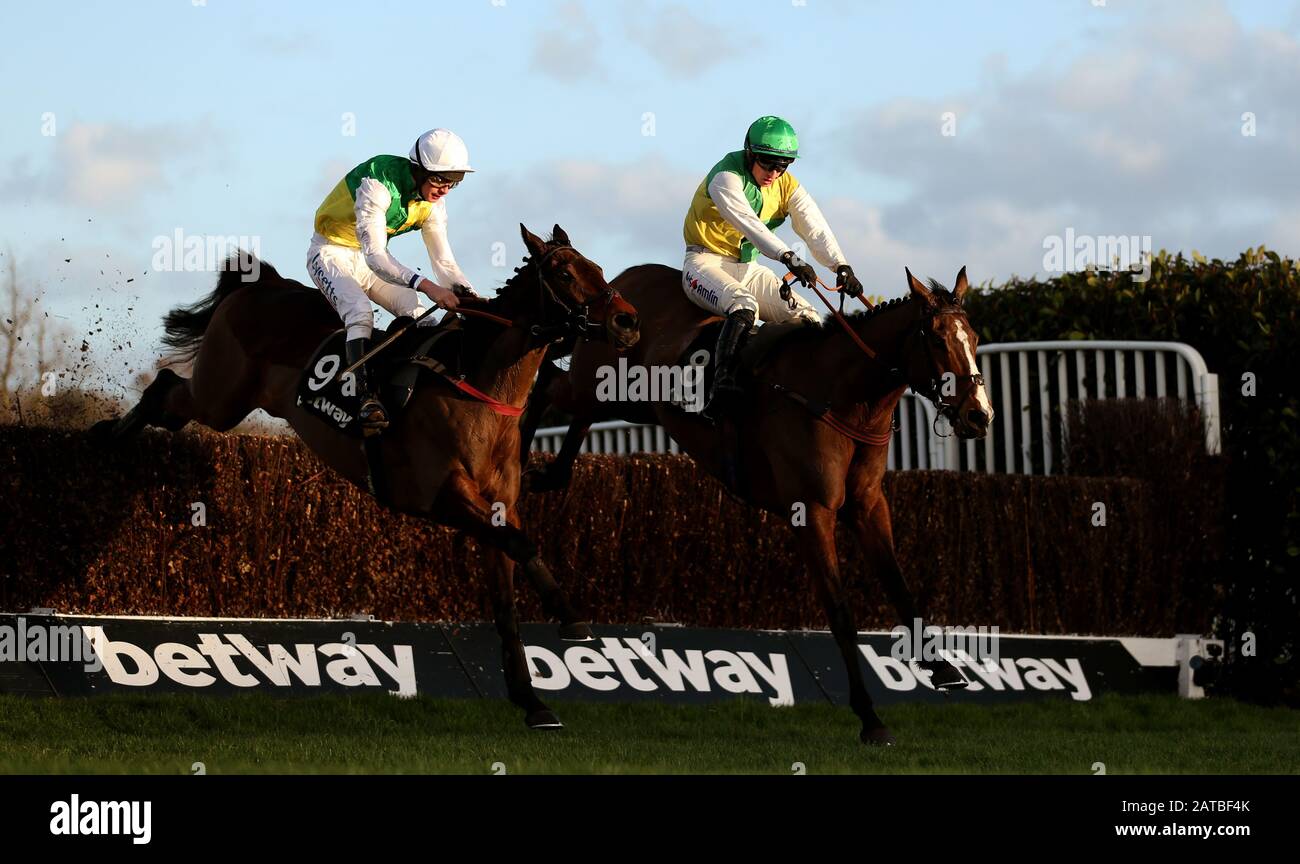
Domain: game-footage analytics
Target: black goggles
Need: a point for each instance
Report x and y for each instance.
(773, 163)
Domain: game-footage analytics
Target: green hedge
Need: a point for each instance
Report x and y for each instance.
(1241, 316)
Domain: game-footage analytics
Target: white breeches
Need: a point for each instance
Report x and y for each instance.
(340, 272)
(724, 285)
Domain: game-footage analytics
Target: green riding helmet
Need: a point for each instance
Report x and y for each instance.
(772, 136)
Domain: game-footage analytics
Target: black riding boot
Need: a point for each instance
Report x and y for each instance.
(724, 393)
(371, 415)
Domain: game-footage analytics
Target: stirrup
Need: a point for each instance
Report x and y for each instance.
(372, 415)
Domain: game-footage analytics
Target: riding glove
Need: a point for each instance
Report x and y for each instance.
(846, 282)
(801, 269)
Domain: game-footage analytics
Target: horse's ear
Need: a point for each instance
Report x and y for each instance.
(959, 290)
(560, 237)
(535, 245)
(918, 288)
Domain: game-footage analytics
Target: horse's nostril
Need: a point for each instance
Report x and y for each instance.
(625, 321)
(976, 417)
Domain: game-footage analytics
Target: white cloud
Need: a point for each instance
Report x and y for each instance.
(102, 165)
(677, 39)
(1141, 134)
(568, 49)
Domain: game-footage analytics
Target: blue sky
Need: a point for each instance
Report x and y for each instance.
(228, 118)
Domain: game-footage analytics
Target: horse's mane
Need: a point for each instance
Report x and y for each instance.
(524, 279)
(942, 294)
(828, 327)
(479, 334)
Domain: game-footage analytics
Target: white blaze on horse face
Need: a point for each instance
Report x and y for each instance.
(981, 396)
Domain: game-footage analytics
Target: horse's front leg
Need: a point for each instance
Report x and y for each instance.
(869, 516)
(555, 602)
(461, 505)
(556, 387)
(557, 474)
(514, 662)
(538, 401)
(817, 542)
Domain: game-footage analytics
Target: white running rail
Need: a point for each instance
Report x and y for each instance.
(1029, 384)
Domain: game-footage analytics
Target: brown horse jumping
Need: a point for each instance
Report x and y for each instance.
(447, 458)
(786, 450)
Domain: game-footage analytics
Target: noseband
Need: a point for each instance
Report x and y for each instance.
(577, 320)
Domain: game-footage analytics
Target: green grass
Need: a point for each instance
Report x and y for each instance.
(378, 734)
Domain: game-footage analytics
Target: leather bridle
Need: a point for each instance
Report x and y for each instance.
(934, 390)
(577, 322)
(578, 318)
(921, 335)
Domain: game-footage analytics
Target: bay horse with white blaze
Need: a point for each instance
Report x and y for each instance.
(448, 458)
(813, 429)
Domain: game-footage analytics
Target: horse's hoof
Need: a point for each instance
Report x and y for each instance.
(877, 736)
(543, 720)
(103, 430)
(107, 431)
(945, 677)
(578, 631)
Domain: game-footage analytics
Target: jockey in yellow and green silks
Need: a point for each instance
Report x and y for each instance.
(731, 220)
(348, 258)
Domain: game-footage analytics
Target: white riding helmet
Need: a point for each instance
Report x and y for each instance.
(440, 150)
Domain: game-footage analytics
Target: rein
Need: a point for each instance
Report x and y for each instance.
(837, 314)
(823, 412)
(479, 313)
(578, 321)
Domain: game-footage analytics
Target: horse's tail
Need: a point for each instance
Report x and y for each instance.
(185, 325)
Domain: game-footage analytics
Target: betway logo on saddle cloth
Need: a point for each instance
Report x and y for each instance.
(622, 664)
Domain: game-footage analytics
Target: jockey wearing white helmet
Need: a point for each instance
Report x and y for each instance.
(349, 260)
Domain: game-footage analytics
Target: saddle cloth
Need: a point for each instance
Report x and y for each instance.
(333, 398)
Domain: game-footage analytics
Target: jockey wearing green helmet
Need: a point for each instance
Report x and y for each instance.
(772, 136)
(731, 220)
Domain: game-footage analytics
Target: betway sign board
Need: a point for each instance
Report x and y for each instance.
(622, 664)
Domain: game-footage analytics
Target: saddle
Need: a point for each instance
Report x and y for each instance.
(396, 371)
